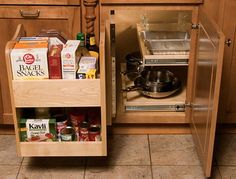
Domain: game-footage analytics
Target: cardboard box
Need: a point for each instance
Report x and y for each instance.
(29, 60)
(68, 59)
(54, 62)
(88, 63)
(37, 130)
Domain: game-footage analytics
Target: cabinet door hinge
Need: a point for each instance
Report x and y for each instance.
(195, 26)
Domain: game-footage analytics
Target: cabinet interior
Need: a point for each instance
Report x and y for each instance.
(132, 104)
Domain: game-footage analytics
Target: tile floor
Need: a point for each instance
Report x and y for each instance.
(130, 157)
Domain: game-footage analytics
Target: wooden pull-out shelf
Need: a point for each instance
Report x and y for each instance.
(58, 93)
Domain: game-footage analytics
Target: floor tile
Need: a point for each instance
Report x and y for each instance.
(8, 172)
(177, 172)
(54, 161)
(118, 172)
(228, 172)
(8, 150)
(173, 150)
(45, 172)
(225, 149)
(125, 150)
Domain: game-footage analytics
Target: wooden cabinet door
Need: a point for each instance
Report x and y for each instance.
(34, 18)
(228, 97)
(204, 107)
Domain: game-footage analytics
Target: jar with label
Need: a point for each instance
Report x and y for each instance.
(94, 133)
(67, 134)
(84, 131)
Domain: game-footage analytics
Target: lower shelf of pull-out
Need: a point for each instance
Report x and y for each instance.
(28, 149)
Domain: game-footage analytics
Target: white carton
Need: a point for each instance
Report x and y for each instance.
(68, 59)
(29, 61)
(88, 63)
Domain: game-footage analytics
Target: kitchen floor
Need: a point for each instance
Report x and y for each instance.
(130, 157)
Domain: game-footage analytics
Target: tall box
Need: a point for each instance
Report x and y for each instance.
(54, 61)
(69, 62)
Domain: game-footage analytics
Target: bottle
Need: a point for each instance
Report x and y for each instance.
(80, 36)
(91, 45)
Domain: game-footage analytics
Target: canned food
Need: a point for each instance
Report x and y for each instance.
(94, 133)
(68, 134)
(77, 118)
(84, 131)
(61, 121)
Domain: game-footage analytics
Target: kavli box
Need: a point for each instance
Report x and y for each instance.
(29, 60)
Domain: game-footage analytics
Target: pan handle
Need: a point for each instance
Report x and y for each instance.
(132, 88)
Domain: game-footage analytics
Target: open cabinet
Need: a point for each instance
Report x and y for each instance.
(199, 69)
(58, 93)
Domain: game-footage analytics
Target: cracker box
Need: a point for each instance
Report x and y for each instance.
(29, 60)
(37, 130)
(68, 59)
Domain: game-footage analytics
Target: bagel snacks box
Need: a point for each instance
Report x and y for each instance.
(29, 60)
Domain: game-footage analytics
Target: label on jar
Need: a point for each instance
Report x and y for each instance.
(66, 137)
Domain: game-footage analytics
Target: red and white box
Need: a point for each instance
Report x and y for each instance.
(54, 61)
(29, 60)
(69, 62)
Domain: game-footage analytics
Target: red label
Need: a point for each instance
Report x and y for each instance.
(28, 58)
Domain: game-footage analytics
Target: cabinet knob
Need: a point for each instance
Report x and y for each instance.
(228, 42)
(29, 14)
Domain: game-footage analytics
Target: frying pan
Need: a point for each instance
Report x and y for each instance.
(155, 83)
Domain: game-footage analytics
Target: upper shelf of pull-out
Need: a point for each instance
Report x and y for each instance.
(163, 44)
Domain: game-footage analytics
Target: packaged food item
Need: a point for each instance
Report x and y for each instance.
(38, 130)
(81, 73)
(88, 63)
(55, 37)
(77, 117)
(80, 36)
(94, 133)
(68, 134)
(61, 121)
(91, 45)
(91, 74)
(54, 61)
(68, 59)
(84, 131)
(29, 60)
(30, 39)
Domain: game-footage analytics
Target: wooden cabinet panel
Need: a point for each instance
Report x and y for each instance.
(65, 19)
(228, 97)
(204, 107)
(42, 2)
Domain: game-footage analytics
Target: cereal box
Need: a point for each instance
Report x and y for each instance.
(29, 60)
(69, 60)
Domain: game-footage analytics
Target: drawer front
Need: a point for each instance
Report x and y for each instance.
(56, 93)
(35, 18)
(41, 2)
